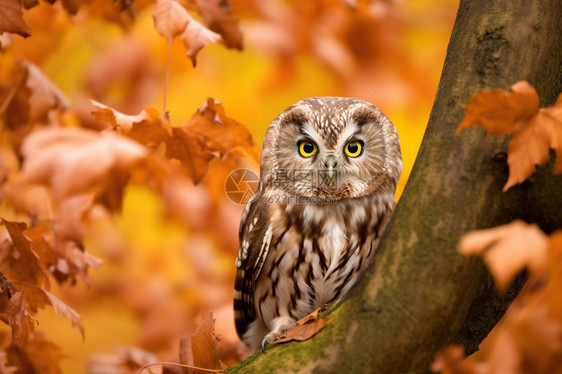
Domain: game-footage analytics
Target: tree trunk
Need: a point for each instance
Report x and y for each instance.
(419, 295)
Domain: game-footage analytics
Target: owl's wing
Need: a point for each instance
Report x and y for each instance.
(255, 238)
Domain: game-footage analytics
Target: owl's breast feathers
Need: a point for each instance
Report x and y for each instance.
(303, 254)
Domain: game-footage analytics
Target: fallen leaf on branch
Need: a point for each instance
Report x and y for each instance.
(517, 112)
(305, 327)
(507, 249)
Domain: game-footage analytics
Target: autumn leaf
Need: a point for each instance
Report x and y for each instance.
(498, 111)
(204, 345)
(77, 161)
(63, 256)
(507, 249)
(218, 17)
(38, 355)
(172, 19)
(224, 135)
(28, 98)
(19, 319)
(44, 94)
(195, 37)
(533, 130)
(37, 297)
(17, 260)
(11, 18)
(305, 328)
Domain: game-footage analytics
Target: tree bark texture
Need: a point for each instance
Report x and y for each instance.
(419, 294)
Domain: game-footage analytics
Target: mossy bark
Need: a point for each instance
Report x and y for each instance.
(420, 295)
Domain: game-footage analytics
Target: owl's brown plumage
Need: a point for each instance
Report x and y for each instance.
(329, 169)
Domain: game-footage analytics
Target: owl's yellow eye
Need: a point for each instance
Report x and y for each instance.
(354, 148)
(307, 148)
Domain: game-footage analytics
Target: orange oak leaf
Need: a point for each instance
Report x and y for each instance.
(224, 135)
(11, 18)
(507, 249)
(533, 130)
(499, 110)
(172, 19)
(305, 327)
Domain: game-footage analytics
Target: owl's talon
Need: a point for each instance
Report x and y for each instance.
(264, 342)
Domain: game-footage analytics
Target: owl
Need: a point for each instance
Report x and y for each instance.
(329, 169)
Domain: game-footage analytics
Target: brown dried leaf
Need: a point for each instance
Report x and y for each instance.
(204, 345)
(218, 17)
(195, 37)
(499, 110)
(11, 18)
(528, 147)
(507, 249)
(37, 356)
(78, 161)
(63, 256)
(19, 319)
(17, 259)
(65, 311)
(534, 130)
(45, 96)
(305, 328)
(170, 19)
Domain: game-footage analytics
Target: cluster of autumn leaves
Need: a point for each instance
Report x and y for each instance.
(60, 172)
(528, 337)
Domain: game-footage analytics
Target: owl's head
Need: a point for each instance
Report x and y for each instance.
(331, 147)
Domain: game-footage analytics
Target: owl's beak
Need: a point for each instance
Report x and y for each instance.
(330, 172)
(330, 177)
